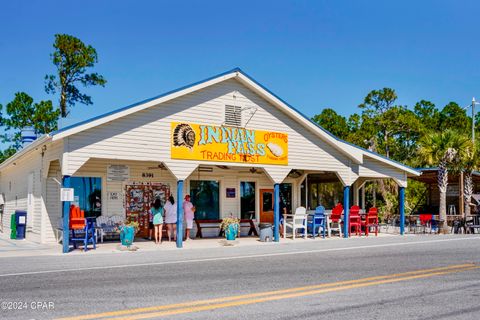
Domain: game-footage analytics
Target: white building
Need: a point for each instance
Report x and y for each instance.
(236, 140)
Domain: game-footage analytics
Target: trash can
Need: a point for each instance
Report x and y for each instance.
(266, 232)
(21, 222)
(13, 227)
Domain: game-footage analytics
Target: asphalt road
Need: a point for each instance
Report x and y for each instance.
(412, 277)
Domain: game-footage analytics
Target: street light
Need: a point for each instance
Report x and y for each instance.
(473, 119)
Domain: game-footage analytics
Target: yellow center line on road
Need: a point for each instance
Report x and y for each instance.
(286, 296)
(223, 302)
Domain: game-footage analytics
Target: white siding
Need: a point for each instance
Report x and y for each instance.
(14, 183)
(372, 168)
(53, 216)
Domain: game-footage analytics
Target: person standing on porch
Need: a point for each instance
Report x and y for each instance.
(150, 223)
(171, 218)
(188, 210)
(157, 212)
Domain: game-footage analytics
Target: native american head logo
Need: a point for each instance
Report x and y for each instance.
(183, 135)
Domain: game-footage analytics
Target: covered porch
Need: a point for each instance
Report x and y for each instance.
(126, 189)
(429, 202)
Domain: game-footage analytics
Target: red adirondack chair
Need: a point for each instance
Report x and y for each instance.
(371, 221)
(336, 219)
(355, 220)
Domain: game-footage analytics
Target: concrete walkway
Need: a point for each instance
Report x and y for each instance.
(25, 248)
(11, 247)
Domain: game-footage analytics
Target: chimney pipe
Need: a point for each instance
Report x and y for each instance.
(28, 136)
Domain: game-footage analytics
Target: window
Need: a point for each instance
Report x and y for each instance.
(303, 193)
(247, 200)
(205, 197)
(267, 204)
(326, 194)
(233, 116)
(88, 194)
(286, 196)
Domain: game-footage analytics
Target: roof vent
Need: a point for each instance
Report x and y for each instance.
(233, 116)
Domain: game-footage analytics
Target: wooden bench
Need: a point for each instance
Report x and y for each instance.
(215, 223)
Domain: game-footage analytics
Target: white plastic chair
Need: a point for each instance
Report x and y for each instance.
(298, 221)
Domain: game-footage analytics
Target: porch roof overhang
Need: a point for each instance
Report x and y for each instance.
(430, 176)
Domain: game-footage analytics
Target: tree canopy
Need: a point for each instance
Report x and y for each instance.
(418, 136)
(333, 122)
(23, 112)
(73, 59)
(394, 130)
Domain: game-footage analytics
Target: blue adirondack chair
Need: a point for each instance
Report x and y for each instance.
(318, 221)
(81, 229)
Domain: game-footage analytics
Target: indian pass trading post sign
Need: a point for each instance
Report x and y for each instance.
(191, 141)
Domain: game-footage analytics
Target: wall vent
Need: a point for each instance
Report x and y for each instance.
(233, 116)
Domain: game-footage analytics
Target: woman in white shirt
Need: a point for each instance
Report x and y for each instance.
(171, 218)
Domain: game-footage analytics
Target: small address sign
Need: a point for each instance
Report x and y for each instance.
(147, 175)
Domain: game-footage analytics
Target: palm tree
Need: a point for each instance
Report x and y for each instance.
(444, 150)
(470, 163)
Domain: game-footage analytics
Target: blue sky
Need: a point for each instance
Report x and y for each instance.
(313, 54)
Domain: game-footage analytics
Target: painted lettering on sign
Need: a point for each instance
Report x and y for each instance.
(228, 144)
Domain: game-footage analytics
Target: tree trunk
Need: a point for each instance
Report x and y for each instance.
(386, 189)
(443, 210)
(442, 187)
(468, 192)
(63, 104)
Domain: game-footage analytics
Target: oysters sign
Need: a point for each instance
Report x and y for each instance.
(191, 141)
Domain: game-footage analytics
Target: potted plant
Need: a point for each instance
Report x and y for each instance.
(127, 232)
(230, 226)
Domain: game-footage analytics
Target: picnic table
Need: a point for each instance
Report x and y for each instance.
(215, 223)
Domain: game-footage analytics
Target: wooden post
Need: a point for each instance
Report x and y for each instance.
(179, 214)
(363, 197)
(346, 211)
(401, 202)
(276, 212)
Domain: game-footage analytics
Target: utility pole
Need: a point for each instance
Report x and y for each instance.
(473, 120)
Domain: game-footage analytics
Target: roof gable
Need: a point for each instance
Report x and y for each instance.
(353, 152)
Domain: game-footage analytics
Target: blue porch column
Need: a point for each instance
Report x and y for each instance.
(346, 211)
(66, 217)
(179, 213)
(276, 212)
(401, 203)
